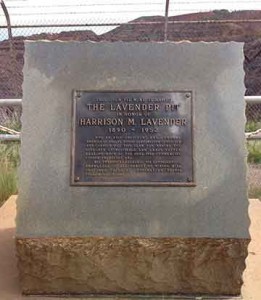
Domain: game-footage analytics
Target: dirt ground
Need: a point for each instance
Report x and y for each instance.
(9, 283)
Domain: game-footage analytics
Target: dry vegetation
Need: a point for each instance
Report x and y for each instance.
(9, 157)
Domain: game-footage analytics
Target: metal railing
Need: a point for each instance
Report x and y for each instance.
(253, 99)
(256, 135)
(10, 137)
(10, 102)
(14, 136)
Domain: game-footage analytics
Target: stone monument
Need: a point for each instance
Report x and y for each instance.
(133, 173)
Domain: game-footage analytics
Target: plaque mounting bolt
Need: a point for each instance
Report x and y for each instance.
(187, 95)
(78, 94)
(77, 178)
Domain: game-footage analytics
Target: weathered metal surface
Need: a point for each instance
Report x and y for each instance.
(252, 99)
(9, 137)
(10, 102)
(132, 138)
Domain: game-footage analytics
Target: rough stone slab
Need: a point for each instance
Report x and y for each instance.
(10, 288)
(129, 297)
(216, 207)
(104, 265)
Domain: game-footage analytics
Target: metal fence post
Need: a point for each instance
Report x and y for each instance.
(8, 21)
(166, 21)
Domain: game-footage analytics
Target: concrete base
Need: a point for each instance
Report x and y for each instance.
(9, 287)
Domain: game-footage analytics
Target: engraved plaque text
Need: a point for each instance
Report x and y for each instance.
(132, 138)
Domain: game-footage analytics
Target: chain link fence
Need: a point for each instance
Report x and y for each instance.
(107, 22)
(142, 21)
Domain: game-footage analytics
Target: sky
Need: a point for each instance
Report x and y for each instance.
(26, 12)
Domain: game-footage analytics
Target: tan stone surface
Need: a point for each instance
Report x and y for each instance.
(251, 289)
(9, 288)
(105, 265)
(9, 283)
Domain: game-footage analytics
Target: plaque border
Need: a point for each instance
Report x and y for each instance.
(75, 95)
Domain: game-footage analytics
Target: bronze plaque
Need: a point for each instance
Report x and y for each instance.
(132, 138)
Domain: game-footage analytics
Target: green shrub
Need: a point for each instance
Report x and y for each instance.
(9, 161)
(9, 156)
(254, 152)
(8, 183)
(252, 126)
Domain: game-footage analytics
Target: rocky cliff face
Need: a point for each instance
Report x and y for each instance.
(229, 29)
